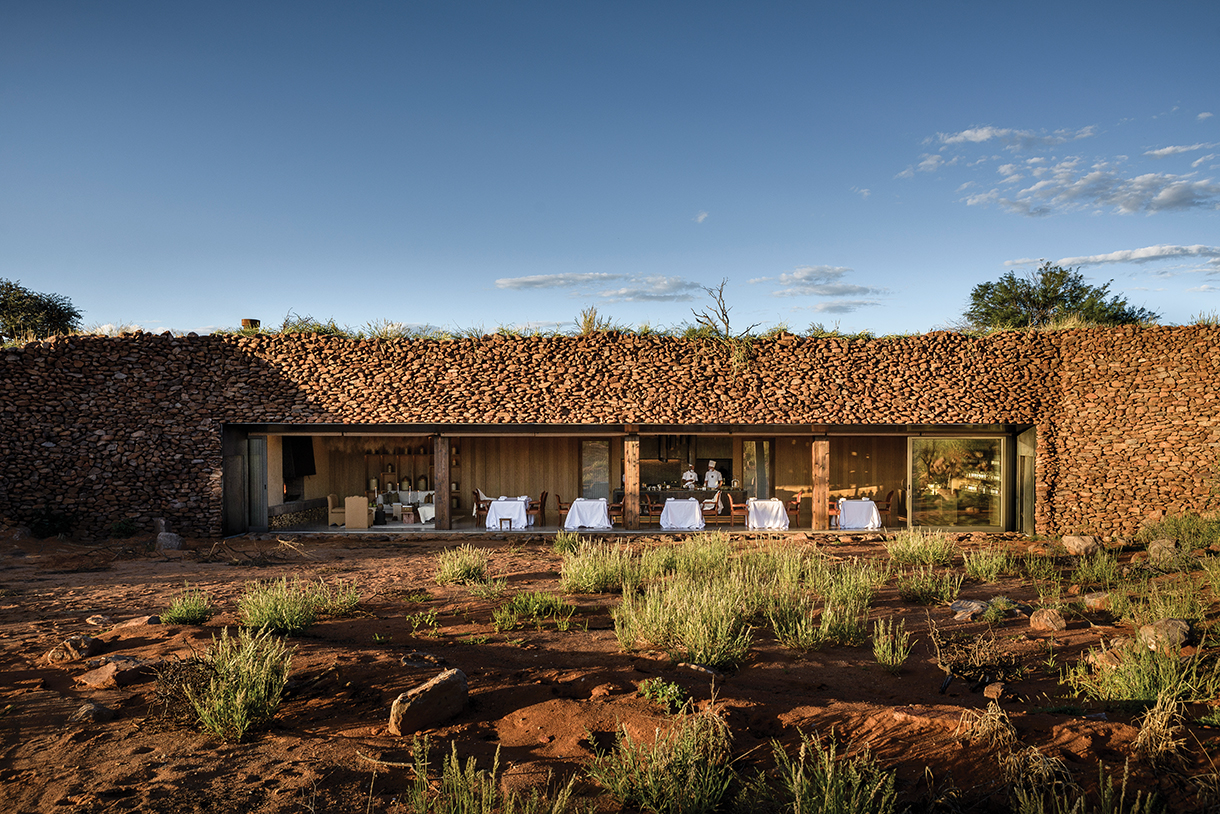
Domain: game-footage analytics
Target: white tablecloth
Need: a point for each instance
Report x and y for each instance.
(512, 508)
(682, 514)
(588, 514)
(858, 514)
(766, 514)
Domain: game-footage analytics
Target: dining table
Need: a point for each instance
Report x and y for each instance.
(588, 513)
(858, 514)
(512, 509)
(682, 514)
(766, 514)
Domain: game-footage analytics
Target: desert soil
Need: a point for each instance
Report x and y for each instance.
(544, 697)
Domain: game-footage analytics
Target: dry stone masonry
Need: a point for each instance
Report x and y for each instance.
(130, 427)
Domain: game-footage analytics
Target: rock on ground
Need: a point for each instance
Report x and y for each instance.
(429, 704)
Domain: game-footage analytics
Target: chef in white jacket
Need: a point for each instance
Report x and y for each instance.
(690, 478)
(712, 479)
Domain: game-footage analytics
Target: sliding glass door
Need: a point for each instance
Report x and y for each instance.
(957, 482)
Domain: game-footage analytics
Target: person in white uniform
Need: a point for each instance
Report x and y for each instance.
(690, 478)
(712, 479)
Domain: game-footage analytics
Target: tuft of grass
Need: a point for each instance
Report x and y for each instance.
(925, 586)
(566, 542)
(491, 589)
(279, 606)
(463, 565)
(537, 605)
(916, 547)
(700, 622)
(892, 644)
(248, 674)
(340, 599)
(599, 568)
(1040, 567)
(464, 788)
(1142, 676)
(191, 607)
(1192, 531)
(1100, 570)
(1175, 597)
(1162, 730)
(818, 780)
(987, 564)
(685, 770)
(991, 726)
(791, 616)
(1064, 797)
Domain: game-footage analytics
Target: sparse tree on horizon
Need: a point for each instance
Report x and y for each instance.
(1045, 296)
(25, 313)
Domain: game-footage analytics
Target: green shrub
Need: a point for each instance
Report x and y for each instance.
(1142, 675)
(891, 644)
(464, 788)
(566, 542)
(987, 564)
(818, 780)
(463, 565)
(248, 673)
(700, 622)
(1100, 570)
(191, 607)
(1191, 531)
(924, 586)
(686, 770)
(665, 693)
(280, 606)
(917, 547)
(599, 568)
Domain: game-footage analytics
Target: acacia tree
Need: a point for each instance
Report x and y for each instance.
(1046, 295)
(25, 313)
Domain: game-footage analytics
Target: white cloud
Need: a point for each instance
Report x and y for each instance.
(1206, 289)
(929, 162)
(862, 192)
(1064, 190)
(1203, 116)
(1194, 165)
(1165, 152)
(656, 288)
(817, 281)
(842, 306)
(1015, 139)
(564, 280)
(701, 217)
(1148, 254)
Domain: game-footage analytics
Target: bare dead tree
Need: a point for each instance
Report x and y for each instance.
(715, 319)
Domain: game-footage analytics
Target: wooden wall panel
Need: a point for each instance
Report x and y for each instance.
(513, 465)
(794, 473)
(867, 466)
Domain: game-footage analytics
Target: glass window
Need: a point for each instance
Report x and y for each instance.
(595, 469)
(956, 482)
(756, 461)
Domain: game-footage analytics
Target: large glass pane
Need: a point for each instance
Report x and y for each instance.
(756, 461)
(595, 469)
(956, 482)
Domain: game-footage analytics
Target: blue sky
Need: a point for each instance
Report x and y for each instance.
(182, 166)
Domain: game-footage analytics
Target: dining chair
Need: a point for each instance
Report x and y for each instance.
(537, 510)
(737, 510)
(649, 511)
(481, 506)
(615, 510)
(833, 514)
(793, 508)
(884, 508)
(563, 509)
(711, 511)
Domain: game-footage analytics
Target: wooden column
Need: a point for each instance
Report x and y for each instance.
(631, 482)
(821, 483)
(444, 515)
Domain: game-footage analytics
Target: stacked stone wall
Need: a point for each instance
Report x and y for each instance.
(130, 427)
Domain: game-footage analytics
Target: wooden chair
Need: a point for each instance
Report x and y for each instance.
(711, 514)
(563, 509)
(833, 514)
(737, 510)
(537, 510)
(480, 509)
(884, 508)
(615, 511)
(793, 508)
(649, 511)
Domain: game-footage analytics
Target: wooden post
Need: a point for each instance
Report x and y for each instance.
(631, 482)
(444, 516)
(821, 483)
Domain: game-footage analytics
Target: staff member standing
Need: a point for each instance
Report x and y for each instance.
(712, 479)
(690, 478)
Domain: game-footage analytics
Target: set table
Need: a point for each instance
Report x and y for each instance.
(766, 514)
(682, 514)
(858, 514)
(587, 513)
(512, 509)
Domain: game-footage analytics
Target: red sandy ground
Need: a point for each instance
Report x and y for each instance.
(539, 695)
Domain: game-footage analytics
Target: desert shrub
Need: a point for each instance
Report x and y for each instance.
(925, 586)
(666, 693)
(464, 788)
(685, 770)
(539, 605)
(248, 673)
(340, 599)
(599, 568)
(987, 564)
(991, 726)
(463, 565)
(122, 529)
(705, 556)
(280, 606)
(1192, 531)
(191, 607)
(916, 547)
(818, 780)
(565, 542)
(1141, 676)
(791, 615)
(891, 644)
(700, 622)
(1100, 569)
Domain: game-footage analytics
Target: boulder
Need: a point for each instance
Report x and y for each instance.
(168, 541)
(429, 704)
(92, 713)
(117, 671)
(139, 621)
(1162, 552)
(1047, 619)
(1102, 660)
(1098, 601)
(1165, 634)
(1080, 545)
(75, 647)
(995, 690)
(967, 609)
(98, 619)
